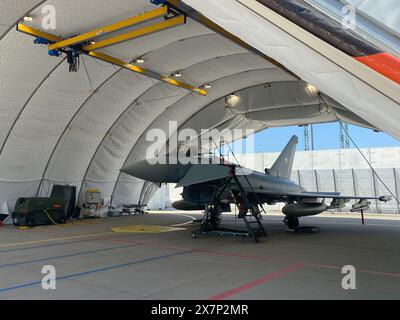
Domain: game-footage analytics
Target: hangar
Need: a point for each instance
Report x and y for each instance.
(80, 128)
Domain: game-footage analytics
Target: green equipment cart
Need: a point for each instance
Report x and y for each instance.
(58, 208)
(39, 211)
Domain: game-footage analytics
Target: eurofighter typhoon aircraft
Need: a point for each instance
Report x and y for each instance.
(213, 187)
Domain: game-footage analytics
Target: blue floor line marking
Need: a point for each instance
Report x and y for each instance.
(30, 284)
(67, 256)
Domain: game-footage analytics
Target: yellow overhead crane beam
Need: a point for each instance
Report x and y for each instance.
(149, 73)
(169, 23)
(156, 13)
(104, 57)
(36, 33)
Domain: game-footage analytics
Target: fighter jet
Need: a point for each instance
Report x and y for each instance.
(213, 187)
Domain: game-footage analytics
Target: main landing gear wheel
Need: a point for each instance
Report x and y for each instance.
(292, 223)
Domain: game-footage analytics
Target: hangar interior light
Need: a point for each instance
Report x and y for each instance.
(232, 100)
(311, 89)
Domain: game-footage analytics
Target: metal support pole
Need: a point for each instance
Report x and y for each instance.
(354, 182)
(335, 185)
(375, 190)
(312, 138)
(341, 136)
(306, 138)
(299, 176)
(396, 186)
(362, 217)
(334, 180)
(347, 139)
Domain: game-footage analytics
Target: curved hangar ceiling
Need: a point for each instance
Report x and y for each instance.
(82, 127)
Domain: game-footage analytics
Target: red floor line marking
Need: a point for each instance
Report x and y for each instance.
(388, 274)
(207, 251)
(150, 244)
(257, 282)
(212, 252)
(231, 254)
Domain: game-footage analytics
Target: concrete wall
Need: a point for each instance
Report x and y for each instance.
(343, 171)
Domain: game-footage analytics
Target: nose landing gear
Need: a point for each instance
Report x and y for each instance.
(215, 217)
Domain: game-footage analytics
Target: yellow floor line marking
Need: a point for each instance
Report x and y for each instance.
(24, 228)
(65, 225)
(182, 224)
(185, 223)
(145, 229)
(171, 228)
(177, 214)
(170, 212)
(55, 239)
(80, 223)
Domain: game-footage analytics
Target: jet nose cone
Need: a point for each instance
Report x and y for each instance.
(157, 170)
(146, 171)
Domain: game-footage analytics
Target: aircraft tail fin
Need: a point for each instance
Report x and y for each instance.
(283, 165)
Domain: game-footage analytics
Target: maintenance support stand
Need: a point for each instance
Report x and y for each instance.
(248, 211)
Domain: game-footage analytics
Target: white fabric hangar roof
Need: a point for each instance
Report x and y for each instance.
(81, 128)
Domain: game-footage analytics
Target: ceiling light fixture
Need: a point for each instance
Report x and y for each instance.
(231, 100)
(312, 90)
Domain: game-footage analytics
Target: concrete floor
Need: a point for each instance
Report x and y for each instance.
(93, 263)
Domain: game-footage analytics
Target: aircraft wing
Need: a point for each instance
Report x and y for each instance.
(321, 195)
(200, 173)
(329, 195)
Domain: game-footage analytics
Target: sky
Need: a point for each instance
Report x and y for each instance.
(326, 136)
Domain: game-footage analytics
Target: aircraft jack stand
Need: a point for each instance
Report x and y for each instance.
(222, 232)
(246, 208)
(208, 229)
